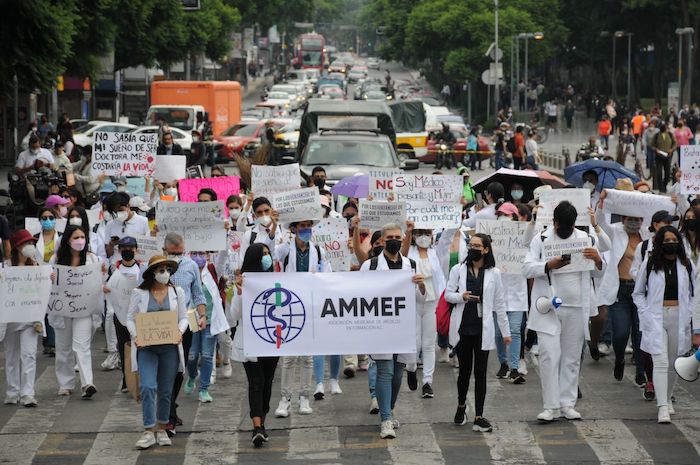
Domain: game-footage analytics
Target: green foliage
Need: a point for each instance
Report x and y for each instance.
(94, 38)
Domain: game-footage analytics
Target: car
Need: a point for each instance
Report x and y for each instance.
(451, 119)
(278, 98)
(182, 138)
(84, 135)
(288, 138)
(337, 66)
(344, 154)
(432, 101)
(459, 148)
(355, 75)
(78, 123)
(372, 63)
(374, 95)
(366, 86)
(296, 99)
(333, 93)
(255, 114)
(236, 138)
(330, 85)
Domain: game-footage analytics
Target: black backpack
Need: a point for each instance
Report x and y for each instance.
(374, 262)
(510, 145)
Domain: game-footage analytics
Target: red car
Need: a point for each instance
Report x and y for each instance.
(459, 147)
(239, 136)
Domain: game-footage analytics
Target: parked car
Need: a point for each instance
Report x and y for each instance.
(180, 137)
(372, 63)
(84, 135)
(236, 138)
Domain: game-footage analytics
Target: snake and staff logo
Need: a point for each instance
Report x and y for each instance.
(277, 315)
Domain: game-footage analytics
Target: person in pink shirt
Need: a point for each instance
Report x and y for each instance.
(683, 133)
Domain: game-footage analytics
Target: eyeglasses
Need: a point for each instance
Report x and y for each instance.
(476, 247)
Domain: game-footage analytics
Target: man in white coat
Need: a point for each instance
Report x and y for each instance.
(561, 332)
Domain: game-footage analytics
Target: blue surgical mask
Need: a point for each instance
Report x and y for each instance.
(517, 195)
(267, 262)
(304, 234)
(200, 260)
(48, 224)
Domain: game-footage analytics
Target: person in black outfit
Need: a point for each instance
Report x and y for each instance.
(168, 147)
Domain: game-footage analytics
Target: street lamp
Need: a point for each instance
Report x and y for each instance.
(526, 36)
(613, 90)
(620, 34)
(683, 31)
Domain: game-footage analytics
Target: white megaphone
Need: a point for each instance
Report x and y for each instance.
(688, 368)
(545, 305)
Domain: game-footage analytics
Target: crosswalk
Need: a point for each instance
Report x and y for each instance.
(619, 427)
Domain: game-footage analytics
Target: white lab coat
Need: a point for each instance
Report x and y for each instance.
(236, 315)
(486, 213)
(316, 263)
(218, 323)
(438, 277)
(492, 300)
(444, 245)
(39, 257)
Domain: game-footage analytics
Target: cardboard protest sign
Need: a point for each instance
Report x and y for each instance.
(268, 180)
(375, 214)
(579, 198)
(77, 291)
(331, 236)
(154, 328)
(148, 246)
(573, 247)
(298, 205)
(124, 153)
(188, 189)
(690, 169)
(136, 186)
(432, 201)
(119, 295)
(381, 182)
(636, 204)
(201, 224)
(25, 293)
(507, 241)
(170, 168)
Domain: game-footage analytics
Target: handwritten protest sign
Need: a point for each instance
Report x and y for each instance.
(636, 204)
(188, 189)
(432, 201)
(77, 291)
(25, 293)
(690, 169)
(124, 153)
(194, 172)
(579, 198)
(170, 168)
(573, 247)
(136, 186)
(381, 182)
(331, 235)
(375, 214)
(33, 226)
(119, 295)
(201, 224)
(153, 328)
(148, 246)
(298, 205)
(507, 242)
(268, 180)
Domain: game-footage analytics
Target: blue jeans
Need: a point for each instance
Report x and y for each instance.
(158, 367)
(499, 159)
(623, 317)
(531, 162)
(511, 355)
(202, 343)
(372, 378)
(650, 157)
(389, 375)
(319, 367)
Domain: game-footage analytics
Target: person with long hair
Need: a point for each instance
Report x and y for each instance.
(77, 216)
(157, 365)
(664, 298)
(476, 292)
(260, 371)
(690, 223)
(495, 197)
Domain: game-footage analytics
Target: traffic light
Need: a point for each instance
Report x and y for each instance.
(59, 83)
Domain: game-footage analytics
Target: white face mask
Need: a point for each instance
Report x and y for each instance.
(122, 216)
(265, 221)
(63, 211)
(234, 213)
(589, 185)
(163, 277)
(121, 188)
(175, 258)
(171, 191)
(75, 221)
(423, 242)
(28, 251)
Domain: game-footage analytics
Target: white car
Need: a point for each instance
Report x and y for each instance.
(180, 137)
(279, 99)
(372, 63)
(83, 136)
(296, 99)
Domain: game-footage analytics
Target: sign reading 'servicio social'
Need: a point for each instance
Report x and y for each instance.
(432, 201)
(76, 291)
(201, 224)
(268, 180)
(124, 154)
(507, 242)
(25, 293)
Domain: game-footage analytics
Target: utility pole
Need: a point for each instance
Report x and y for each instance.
(496, 91)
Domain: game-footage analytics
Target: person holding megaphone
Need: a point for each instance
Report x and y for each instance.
(664, 297)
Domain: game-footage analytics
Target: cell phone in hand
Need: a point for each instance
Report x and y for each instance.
(479, 200)
(566, 257)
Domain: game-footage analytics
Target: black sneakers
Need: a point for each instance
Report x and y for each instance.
(649, 393)
(640, 380)
(595, 352)
(412, 378)
(258, 437)
(503, 372)
(516, 377)
(619, 371)
(427, 391)
(461, 416)
(482, 425)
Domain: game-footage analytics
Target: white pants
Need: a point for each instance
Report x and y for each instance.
(305, 364)
(560, 360)
(20, 359)
(426, 335)
(110, 330)
(665, 377)
(225, 345)
(75, 337)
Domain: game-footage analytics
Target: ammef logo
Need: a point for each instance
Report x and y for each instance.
(277, 315)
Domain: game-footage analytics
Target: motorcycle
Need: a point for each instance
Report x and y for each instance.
(444, 156)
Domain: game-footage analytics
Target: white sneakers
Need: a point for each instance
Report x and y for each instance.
(11, 400)
(320, 392)
(147, 440)
(374, 406)
(387, 430)
(335, 387)
(443, 355)
(111, 362)
(671, 410)
(522, 367)
(570, 414)
(664, 415)
(603, 348)
(548, 415)
(304, 406)
(283, 408)
(28, 401)
(227, 370)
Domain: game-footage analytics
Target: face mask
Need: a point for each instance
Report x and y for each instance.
(423, 242)
(175, 258)
(234, 213)
(75, 221)
(127, 254)
(377, 250)
(163, 277)
(171, 191)
(319, 182)
(691, 224)
(200, 260)
(77, 244)
(474, 255)
(28, 251)
(264, 221)
(564, 232)
(63, 211)
(632, 226)
(122, 216)
(36, 151)
(304, 235)
(393, 246)
(266, 262)
(670, 248)
(589, 185)
(48, 224)
(195, 139)
(517, 195)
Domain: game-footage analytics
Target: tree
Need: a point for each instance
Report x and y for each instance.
(209, 29)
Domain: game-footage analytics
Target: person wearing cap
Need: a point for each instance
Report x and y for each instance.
(139, 206)
(643, 187)
(20, 339)
(124, 223)
(58, 203)
(468, 193)
(327, 204)
(157, 365)
(301, 255)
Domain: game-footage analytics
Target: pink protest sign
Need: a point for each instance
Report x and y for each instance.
(224, 186)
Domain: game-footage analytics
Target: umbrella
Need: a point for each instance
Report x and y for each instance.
(608, 172)
(529, 179)
(352, 186)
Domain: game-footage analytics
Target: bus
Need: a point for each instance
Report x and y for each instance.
(310, 51)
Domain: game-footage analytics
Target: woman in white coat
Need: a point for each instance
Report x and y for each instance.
(664, 296)
(475, 289)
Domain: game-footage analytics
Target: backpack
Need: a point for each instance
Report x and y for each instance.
(645, 246)
(510, 145)
(688, 267)
(374, 262)
(318, 254)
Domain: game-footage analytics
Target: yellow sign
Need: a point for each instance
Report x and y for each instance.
(59, 83)
(154, 328)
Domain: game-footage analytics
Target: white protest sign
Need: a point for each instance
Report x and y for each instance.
(148, 246)
(268, 180)
(381, 181)
(33, 226)
(690, 169)
(170, 168)
(573, 247)
(201, 224)
(331, 235)
(329, 313)
(25, 292)
(579, 198)
(77, 291)
(298, 205)
(375, 214)
(432, 201)
(119, 295)
(507, 241)
(124, 153)
(636, 204)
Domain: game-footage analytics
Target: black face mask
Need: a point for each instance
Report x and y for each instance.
(670, 248)
(319, 182)
(127, 255)
(691, 224)
(474, 255)
(393, 246)
(564, 232)
(377, 250)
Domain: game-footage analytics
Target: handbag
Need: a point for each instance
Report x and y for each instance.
(443, 311)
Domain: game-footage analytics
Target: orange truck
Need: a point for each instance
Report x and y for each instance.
(186, 104)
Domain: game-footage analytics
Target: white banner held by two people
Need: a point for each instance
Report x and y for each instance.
(636, 204)
(25, 292)
(201, 224)
(76, 291)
